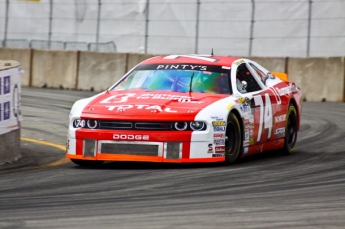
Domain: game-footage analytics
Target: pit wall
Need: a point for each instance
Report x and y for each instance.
(321, 79)
(10, 116)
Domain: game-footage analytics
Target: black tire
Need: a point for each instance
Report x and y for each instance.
(233, 141)
(290, 131)
(87, 163)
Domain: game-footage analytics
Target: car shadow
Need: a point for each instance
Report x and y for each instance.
(246, 161)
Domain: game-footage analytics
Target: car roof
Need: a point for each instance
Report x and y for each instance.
(225, 61)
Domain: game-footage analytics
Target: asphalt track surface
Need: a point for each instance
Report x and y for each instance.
(303, 190)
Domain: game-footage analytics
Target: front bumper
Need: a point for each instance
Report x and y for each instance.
(148, 146)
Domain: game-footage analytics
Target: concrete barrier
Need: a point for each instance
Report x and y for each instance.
(54, 68)
(134, 58)
(23, 56)
(98, 71)
(273, 64)
(10, 116)
(321, 79)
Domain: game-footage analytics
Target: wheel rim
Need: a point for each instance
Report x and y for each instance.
(230, 143)
(291, 130)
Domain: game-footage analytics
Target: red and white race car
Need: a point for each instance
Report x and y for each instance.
(187, 108)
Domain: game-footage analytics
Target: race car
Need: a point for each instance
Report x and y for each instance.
(187, 109)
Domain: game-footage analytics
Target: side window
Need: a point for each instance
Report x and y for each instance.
(262, 75)
(243, 74)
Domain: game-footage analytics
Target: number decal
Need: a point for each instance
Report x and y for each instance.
(265, 114)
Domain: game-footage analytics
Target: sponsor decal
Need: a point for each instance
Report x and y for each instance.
(219, 135)
(242, 100)
(245, 108)
(280, 132)
(139, 107)
(178, 98)
(218, 155)
(218, 123)
(7, 84)
(287, 90)
(181, 66)
(280, 118)
(245, 143)
(251, 118)
(238, 62)
(6, 109)
(121, 98)
(219, 128)
(219, 142)
(245, 150)
(136, 137)
(246, 135)
(219, 149)
(251, 133)
(216, 118)
(210, 148)
(251, 141)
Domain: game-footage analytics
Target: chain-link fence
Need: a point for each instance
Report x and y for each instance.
(60, 45)
(299, 28)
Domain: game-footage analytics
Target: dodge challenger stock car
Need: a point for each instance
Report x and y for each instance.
(187, 108)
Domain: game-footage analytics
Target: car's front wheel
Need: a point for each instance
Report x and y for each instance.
(290, 130)
(87, 163)
(233, 139)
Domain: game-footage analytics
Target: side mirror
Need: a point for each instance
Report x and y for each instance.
(244, 85)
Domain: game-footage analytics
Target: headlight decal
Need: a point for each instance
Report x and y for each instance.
(197, 125)
(181, 125)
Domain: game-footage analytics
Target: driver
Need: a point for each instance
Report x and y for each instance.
(240, 85)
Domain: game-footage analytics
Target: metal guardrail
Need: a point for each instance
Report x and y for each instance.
(59, 45)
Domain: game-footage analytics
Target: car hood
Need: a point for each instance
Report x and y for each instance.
(148, 105)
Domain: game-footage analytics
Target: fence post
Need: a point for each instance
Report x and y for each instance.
(146, 25)
(309, 28)
(6, 23)
(197, 26)
(50, 22)
(98, 23)
(251, 29)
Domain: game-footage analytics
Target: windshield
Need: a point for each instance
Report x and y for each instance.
(177, 81)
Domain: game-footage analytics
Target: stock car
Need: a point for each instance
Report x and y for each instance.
(186, 109)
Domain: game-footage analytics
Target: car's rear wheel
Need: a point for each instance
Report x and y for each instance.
(233, 139)
(87, 163)
(290, 131)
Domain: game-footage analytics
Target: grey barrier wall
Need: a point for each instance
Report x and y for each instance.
(56, 69)
(10, 116)
(23, 56)
(321, 79)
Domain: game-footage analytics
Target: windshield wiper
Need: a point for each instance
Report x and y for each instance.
(191, 81)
